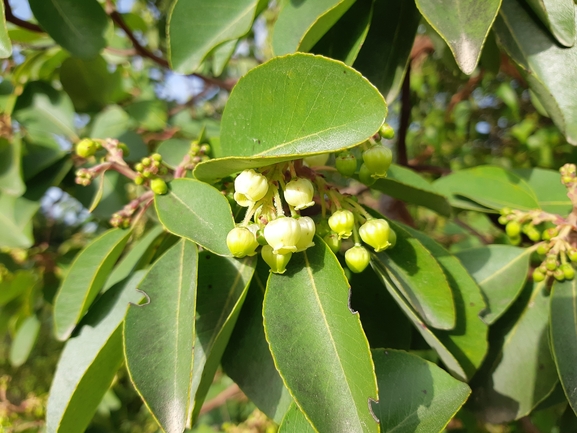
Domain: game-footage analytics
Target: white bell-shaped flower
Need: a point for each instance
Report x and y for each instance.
(283, 235)
(376, 233)
(299, 193)
(249, 187)
(241, 242)
(342, 222)
(277, 262)
(308, 229)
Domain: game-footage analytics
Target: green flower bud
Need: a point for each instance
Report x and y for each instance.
(124, 148)
(550, 233)
(146, 162)
(386, 131)
(516, 240)
(533, 234)
(513, 229)
(538, 276)
(376, 233)
(139, 167)
(250, 187)
(307, 233)
(158, 186)
(87, 148)
(506, 211)
(283, 235)
(346, 163)
(342, 222)
(503, 220)
(156, 157)
(392, 238)
(378, 160)
(568, 271)
(333, 242)
(277, 262)
(139, 179)
(299, 193)
(264, 214)
(551, 263)
(559, 274)
(543, 249)
(357, 259)
(365, 175)
(317, 160)
(573, 255)
(241, 242)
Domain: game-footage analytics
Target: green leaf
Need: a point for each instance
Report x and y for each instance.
(463, 24)
(110, 123)
(468, 341)
(219, 20)
(415, 396)
(10, 167)
(500, 271)
(524, 372)
(173, 151)
(78, 26)
(222, 287)
(563, 336)
(5, 44)
(551, 193)
(305, 105)
(161, 369)
(559, 17)
(322, 350)
(385, 53)
(419, 277)
(85, 278)
(90, 360)
(196, 211)
(151, 115)
(302, 24)
(295, 422)
(344, 39)
(11, 288)
(406, 185)
(490, 186)
(534, 50)
(247, 359)
(24, 341)
(222, 55)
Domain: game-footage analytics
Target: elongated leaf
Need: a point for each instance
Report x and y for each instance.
(5, 44)
(524, 372)
(384, 56)
(300, 25)
(222, 55)
(493, 187)
(559, 17)
(463, 24)
(10, 167)
(85, 278)
(468, 341)
(425, 403)
(16, 285)
(420, 279)
(534, 50)
(321, 350)
(306, 105)
(404, 184)
(295, 422)
(344, 39)
(247, 359)
(90, 360)
(78, 26)
(24, 340)
(219, 21)
(550, 192)
(222, 287)
(196, 211)
(159, 336)
(500, 271)
(563, 328)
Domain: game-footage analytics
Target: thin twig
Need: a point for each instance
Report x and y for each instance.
(467, 227)
(17, 21)
(230, 392)
(402, 158)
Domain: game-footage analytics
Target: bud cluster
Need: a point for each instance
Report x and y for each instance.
(84, 177)
(149, 169)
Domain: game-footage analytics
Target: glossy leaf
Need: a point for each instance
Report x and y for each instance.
(247, 359)
(302, 24)
(406, 185)
(563, 336)
(346, 37)
(10, 167)
(150, 114)
(222, 55)
(385, 53)
(295, 422)
(316, 105)
(559, 17)
(78, 26)
(24, 341)
(468, 341)
(20, 281)
(524, 372)
(551, 193)
(534, 50)
(5, 44)
(222, 287)
(219, 21)
(196, 211)
(173, 151)
(490, 186)
(325, 352)
(500, 271)
(85, 278)
(161, 369)
(464, 25)
(90, 360)
(415, 396)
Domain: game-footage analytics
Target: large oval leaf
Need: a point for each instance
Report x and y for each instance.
(559, 17)
(24, 341)
(222, 287)
(85, 278)
(463, 24)
(550, 192)
(196, 211)
(295, 422)
(293, 106)
(11, 167)
(563, 328)
(425, 403)
(90, 360)
(159, 336)
(321, 350)
(500, 271)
